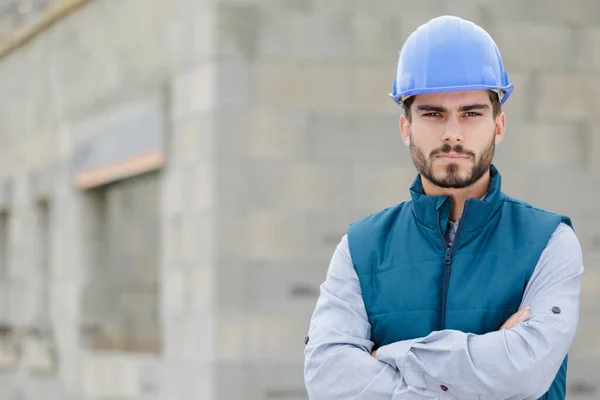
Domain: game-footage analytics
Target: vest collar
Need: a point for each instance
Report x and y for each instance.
(478, 212)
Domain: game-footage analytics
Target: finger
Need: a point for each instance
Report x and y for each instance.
(511, 321)
(521, 316)
(517, 318)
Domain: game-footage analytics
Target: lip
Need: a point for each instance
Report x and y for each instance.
(452, 156)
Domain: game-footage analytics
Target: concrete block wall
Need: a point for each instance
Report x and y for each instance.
(68, 86)
(279, 133)
(324, 70)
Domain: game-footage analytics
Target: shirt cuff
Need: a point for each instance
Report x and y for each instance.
(395, 354)
(398, 356)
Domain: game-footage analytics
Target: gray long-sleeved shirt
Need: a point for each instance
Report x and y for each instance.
(520, 363)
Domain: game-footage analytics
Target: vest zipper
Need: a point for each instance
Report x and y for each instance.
(448, 262)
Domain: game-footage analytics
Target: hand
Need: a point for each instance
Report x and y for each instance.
(516, 319)
(374, 353)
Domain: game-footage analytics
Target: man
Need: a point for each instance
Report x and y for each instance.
(461, 292)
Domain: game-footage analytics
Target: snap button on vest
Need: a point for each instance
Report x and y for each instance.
(444, 388)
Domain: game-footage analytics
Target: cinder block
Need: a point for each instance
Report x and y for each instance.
(9, 352)
(271, 338)
(283, 84)
(201, 195)
(234, 83)
(194, 91)
(66, 298)
(39, 355)
(198, 240)
(564, 97)
(525, 46)
(513, 151)
(589, 286)
(289, 288)
(472, 10)
(552, 146)
(260, 184)
(200, 288)
(173, 288)
(516, 182)
(305, 86)
(238, 26)
(287, 34)
(193, 138)
(323, 34)
(111, 376)
(231, 289)
(312, 187)
(593, 151)
(376, 188)
(40, 151)
(197, 338)
(373, 139)
(277, 380)
(587, 341)
(271, 235)
(370, 87)
(592, 99)
(377, 36)
(226, 372)
(331, 31)
(232, 185)
(230, 340)
(588, 52)
(174, 379)
(95, 378)
(561, 199)
(190, 34)
(171, 345)
(32, 387)
(324, 229)
(398, 8)
(200, 383)
(519, 106)
(20, 304)
(556, 12)
(269, 132)
(291, 6)
(581, 380)
(275, 133)
(202, 26)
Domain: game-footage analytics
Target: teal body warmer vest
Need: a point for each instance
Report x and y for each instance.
(413, 283)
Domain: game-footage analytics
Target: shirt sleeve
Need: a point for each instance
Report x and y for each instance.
(520, 363)
(338, 363)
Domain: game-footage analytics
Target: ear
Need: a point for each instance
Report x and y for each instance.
(405, 130)
(500, 127)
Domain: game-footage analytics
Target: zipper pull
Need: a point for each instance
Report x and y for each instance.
(448, 257)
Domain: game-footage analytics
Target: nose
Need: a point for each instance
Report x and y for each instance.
(452, 130)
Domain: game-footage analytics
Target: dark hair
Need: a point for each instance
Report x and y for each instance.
(496, 106)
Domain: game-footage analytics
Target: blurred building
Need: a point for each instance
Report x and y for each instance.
(175, 175)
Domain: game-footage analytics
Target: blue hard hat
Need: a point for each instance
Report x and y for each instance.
(449, 54)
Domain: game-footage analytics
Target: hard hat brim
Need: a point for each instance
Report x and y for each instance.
(503, 92)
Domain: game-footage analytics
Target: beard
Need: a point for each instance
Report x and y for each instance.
(452, 178)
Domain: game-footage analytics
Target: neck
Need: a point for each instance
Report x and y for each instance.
(458, 196)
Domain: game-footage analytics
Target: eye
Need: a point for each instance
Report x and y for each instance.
(472, 114)
(432, 115)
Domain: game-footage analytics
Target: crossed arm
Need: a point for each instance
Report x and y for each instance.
(517, 363)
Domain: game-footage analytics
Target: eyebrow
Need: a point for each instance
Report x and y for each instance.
(470, 107)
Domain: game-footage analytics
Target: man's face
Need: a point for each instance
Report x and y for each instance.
(452, 136)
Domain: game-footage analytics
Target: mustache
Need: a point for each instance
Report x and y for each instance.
(446, 148)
